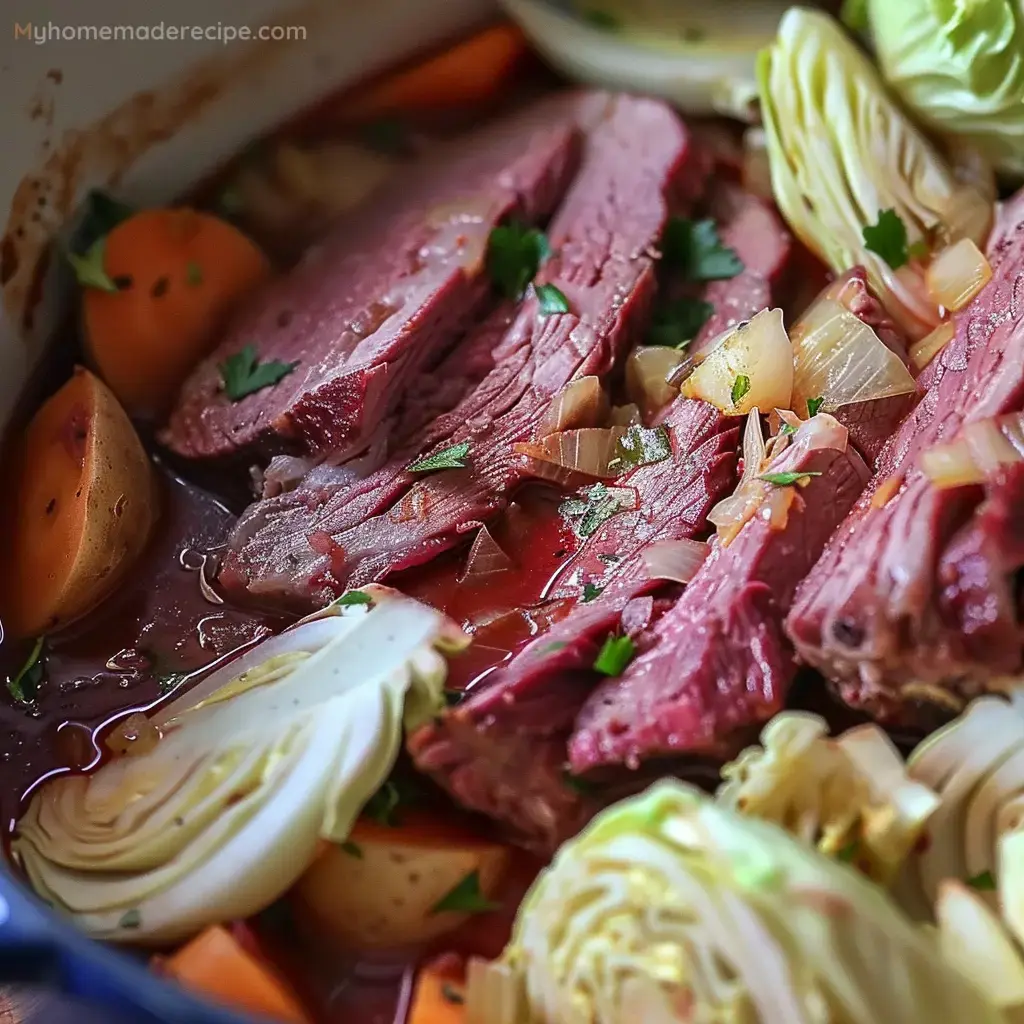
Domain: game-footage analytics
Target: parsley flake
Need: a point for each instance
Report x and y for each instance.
(574, 782)
(693, 246)
(465, 898)
(25, 685)
(514, 255)
(193, 273)
(550, 300)
(615, 655)
(130, 919)
(89, 269)
(888, 238)
(786, 428)
(813, 405)
(848, 852)
(604, 20)
(676, 324)
(600, 505)
(352, 849)
(243, 374)
(384, 805)
(740, 386)
(643, 446)
(453, 457)
(786, 479)
(590, 591)
(452, 995)
(351, 597)
(100, 215)
(854, 15)
(985, 882)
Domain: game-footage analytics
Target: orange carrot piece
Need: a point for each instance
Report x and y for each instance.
(439, 997)
(472, 71)
(214, 965)
(178, 274)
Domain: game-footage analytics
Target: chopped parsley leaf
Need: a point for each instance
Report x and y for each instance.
(550, 300)
(643, 446)
(848, 852)
(854, 15)
(101, 214)
(25, 685)
(130, 919)
(786, 428)
(193, 273)
(582, 786)
(351, 597)
(590, 591)
(740, 386)
(452, 457)
(813, 405)
(514, 255)
(615, 655)
(89, 269)
(453, 696)
(786, 479)
(604, 20)
(695, 248)
(382, 805)
(592, 513)
(465, 898)
(352, 849)
(676, 324)
(452, 995)
(243, 374)
(888, 238)
(985, 882)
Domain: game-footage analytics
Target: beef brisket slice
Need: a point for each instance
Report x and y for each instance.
(503, 750)
(720, 664)
(320, 541)
(875, 614)
(389, 289)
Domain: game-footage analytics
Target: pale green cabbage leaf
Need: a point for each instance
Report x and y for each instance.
(959, 66)
(670, 908)
(225, 812)
(842, 152)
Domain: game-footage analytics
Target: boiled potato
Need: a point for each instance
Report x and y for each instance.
(86, 505)
(379, 890)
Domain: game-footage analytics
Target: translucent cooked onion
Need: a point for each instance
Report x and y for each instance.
(957, 274)
(839, 358)
(950, 465)
(924, 351)
(624, 416)
(984, 447)
(751, 368)
(731, 513)
(589, 450)
(648, 368)
(133, 736)
(581, 403)
(486, 556)
(676, 560)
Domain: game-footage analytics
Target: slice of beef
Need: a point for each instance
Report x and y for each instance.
(391, 287)
(323, 539)
(871, 614)
(503, 750)
(720, 665)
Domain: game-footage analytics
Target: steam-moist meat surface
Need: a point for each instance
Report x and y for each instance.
(503, 750)
(895, 598)
(718, 664)
(308, 545)
(388, 291)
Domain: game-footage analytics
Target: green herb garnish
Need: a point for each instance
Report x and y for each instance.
(786, 479)
(453, 457)
(550, 300)
(813, 405)
(89, 269)
(452, 995)
(740, 387)
(676, 324)
(170, 681)
(985, 882)
(848, 852)
(193, 273)
(643, 446)
(130, 919)
(593, 512)
(581, 786)
(604, 20)
(514, 255)
(615, 655)
(553, 648)
(590, 591)
(25, 685)
(100, 215)
(465, 898)
(382, 805)
(352, 849)
(888, 238)
(693, 246)
(243, 374)
(351, 597)
(854, 15)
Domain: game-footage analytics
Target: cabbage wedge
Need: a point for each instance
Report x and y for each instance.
(843, 154)
(224, 813)
(670, 908)
(959, 67)
(850, 797)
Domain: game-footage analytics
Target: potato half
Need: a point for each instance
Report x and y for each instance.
(86, 505)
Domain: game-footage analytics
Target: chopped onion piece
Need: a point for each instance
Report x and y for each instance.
(485, 556)
(648, 368)
(924, 351)
(676, 560)
(950, 465)
(751, 368)
(731, 513)
(754, 450)
(581, 403)
(778, 505)
(984, 447)
(624, 416)
(133, 736)
(839, 358)
(957, 274)
(989, 448)
(588, 450)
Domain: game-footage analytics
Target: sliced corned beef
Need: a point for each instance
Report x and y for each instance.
(876, 614)
(321, 540)
(719, 665)
(503, 750)
(391, 287)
